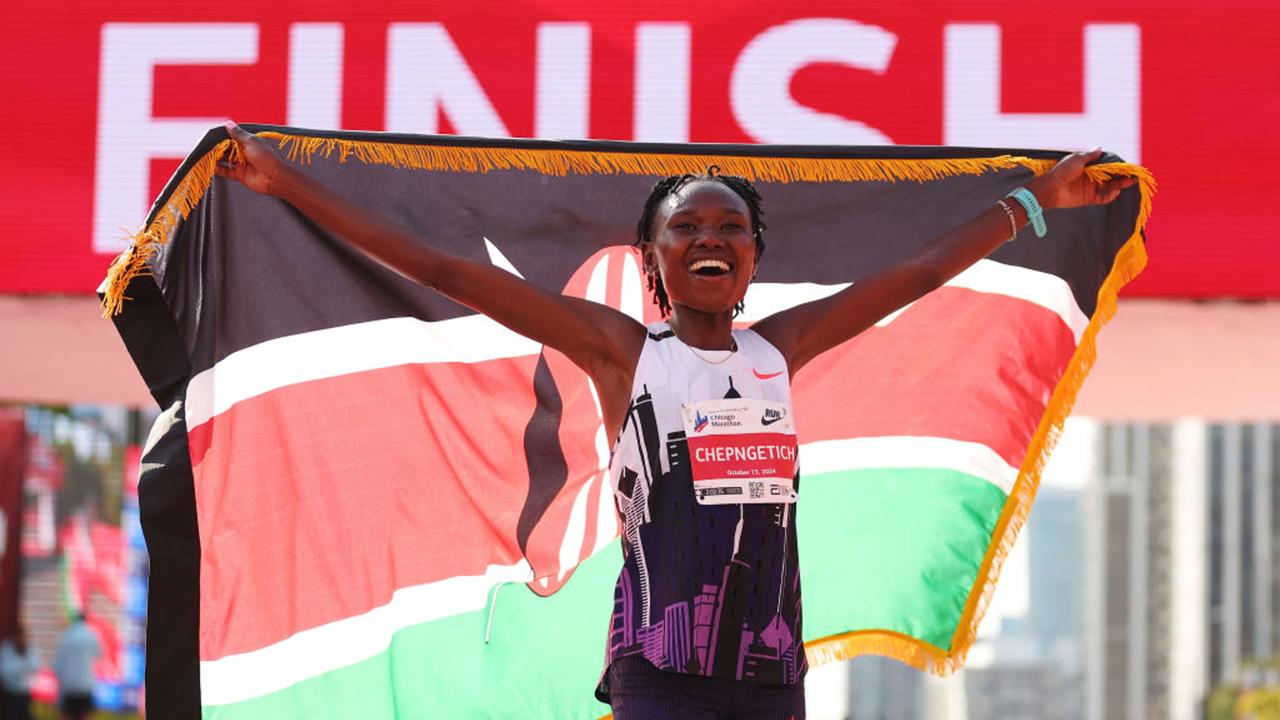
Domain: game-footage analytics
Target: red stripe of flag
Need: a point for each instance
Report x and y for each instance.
(339, 491)
(905, 379)
(423, 467)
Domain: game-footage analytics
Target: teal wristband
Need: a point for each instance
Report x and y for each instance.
(1027, 200)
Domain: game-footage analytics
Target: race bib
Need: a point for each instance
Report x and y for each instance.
(741, 451)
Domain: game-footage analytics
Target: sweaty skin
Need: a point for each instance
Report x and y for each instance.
(702, 221)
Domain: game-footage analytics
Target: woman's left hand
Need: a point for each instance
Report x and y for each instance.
(1066, 185)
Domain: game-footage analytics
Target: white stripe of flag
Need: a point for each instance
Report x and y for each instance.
(335, 645)
(322, 649)
(378, 344)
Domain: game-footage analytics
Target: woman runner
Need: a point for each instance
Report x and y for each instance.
(706, 620)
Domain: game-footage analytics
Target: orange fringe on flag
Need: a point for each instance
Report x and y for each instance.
(1130, 261)
(136, 259)
(550, 161)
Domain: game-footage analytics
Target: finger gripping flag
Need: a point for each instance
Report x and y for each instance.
(364, 500)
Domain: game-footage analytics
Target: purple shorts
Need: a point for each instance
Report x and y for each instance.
(639, 691)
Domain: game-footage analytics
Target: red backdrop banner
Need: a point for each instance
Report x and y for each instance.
(103, 98)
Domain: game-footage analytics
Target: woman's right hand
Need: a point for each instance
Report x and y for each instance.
(258, 167)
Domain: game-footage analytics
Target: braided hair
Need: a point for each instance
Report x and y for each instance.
(666, 187)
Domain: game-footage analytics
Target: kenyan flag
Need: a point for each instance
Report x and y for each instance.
(364, 500)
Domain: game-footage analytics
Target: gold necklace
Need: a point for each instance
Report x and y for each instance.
(733, 348)
(704, 358)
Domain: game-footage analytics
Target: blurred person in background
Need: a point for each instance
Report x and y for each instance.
(73, 664)
(19, 661)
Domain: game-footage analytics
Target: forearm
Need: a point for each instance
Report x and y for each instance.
(586, 332)
(808, 330)
(952, 252)
(369, 232)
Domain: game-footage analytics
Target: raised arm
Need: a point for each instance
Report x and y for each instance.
(597, 338)
(806, 331)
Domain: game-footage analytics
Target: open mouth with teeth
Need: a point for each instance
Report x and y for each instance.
(710, 268)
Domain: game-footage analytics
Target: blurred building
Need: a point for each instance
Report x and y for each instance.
(1180, 568)
(1127, 582)
(1039, 655)
(883, 689)
(1243, 599)
(1151, 581)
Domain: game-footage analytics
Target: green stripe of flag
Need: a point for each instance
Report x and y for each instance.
(542, 660)
(867, 536)
(864, 537)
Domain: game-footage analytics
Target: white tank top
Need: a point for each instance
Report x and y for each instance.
(703, 472)
(713, 396)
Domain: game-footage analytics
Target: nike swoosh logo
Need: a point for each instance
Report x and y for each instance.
(766, 376)
(769, 421)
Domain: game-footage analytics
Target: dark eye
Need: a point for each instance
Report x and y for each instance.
(684, 226)
(731, 226)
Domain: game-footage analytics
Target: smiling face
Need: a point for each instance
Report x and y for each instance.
(702, 247)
